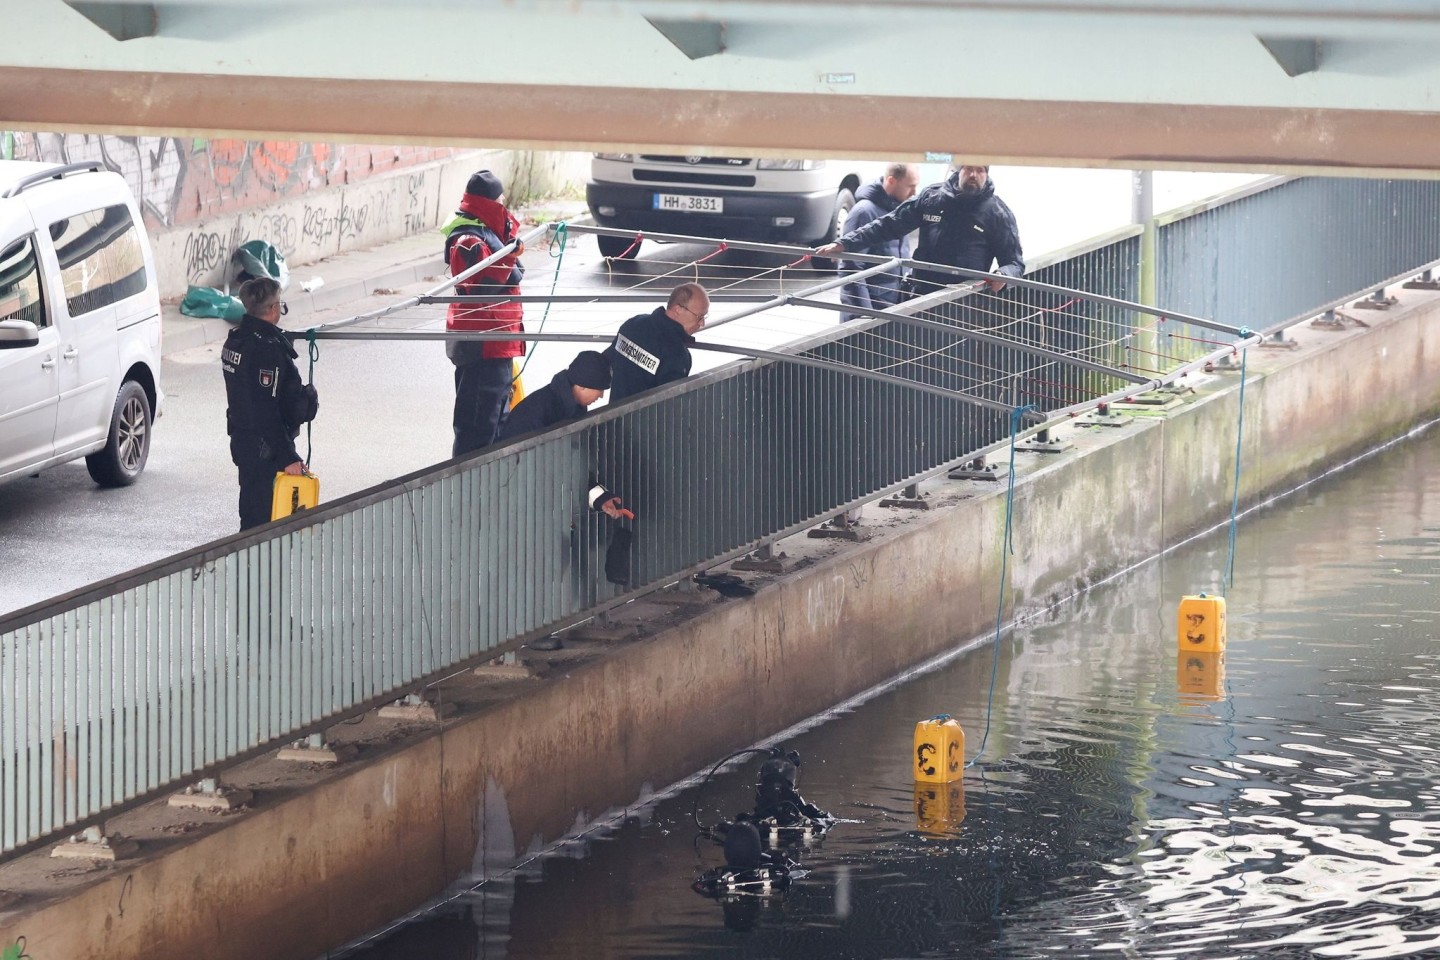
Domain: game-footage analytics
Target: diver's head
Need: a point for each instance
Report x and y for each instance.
(778, 777)
(743, 850)
(780, 770)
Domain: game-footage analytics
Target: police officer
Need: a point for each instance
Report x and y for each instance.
(568, 394)
(962, 224)
(267, 401)
(653, 348)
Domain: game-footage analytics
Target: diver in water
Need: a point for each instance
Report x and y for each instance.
(781, 817)
(776, 797)
(756, 843)
(750, 870)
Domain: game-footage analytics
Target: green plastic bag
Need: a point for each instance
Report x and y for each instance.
(209, 302)
(257, 258)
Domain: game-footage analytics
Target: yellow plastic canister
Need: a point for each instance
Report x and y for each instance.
(294, 493)
(1201, 624)
(939, 755)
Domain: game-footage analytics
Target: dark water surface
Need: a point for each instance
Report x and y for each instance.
(1287, 808)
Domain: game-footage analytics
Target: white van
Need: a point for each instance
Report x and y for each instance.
(733, 198)
(79, 323)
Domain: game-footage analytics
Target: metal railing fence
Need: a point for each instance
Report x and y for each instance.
(1274, 256)
(138, 684)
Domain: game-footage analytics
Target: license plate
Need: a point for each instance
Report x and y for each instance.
(685, 203)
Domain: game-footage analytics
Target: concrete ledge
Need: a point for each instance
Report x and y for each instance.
(314, 867)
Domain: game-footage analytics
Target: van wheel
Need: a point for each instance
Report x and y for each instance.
(844, 203)
(128, 447)
(618, 248)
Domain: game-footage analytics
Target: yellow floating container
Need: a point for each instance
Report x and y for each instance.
(939, 807)
(293, 494)
(939, 755)
(1201, 624)
(1200, 674)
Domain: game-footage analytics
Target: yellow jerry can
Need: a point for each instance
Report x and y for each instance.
(939, 755)
(1201, 624)
(517, 389)
(293, 494)
(939, 807)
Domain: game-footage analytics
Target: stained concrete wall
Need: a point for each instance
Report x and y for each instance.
(314, 869)
(203, 198)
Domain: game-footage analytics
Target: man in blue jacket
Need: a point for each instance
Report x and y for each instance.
(873, 201)
(962, 224)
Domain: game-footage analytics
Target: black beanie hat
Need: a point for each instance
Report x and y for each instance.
(590, 369)
(485, 184)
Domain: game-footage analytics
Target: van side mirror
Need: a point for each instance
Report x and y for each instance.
(15, 334)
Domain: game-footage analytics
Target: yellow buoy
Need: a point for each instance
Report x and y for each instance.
(939, 807)
(939, 755)
(1201, 624)
(1200, 674)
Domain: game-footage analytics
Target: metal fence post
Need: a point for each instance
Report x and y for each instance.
(1042, 442)
(909, 499)
(763, 560)
(1422, 282)
(1142, 211)
(1376, 301)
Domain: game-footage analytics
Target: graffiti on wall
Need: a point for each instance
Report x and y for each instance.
(203, 198)
(322, 224)
(179, 180)
(152, 165)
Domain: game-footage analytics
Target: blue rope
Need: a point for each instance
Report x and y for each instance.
(1007, 548)
(1229, 577)
(562, 235)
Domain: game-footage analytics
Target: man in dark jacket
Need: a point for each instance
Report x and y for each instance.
(483, 368)
(653, 348)
(267, 401)
(568, 394)
(962, 224)
(873, 201)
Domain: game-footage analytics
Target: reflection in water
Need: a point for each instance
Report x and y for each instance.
(1278, 801)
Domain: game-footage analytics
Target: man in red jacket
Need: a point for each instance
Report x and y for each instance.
(483, 368)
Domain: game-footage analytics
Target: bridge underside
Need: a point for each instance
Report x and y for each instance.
(1284, 85)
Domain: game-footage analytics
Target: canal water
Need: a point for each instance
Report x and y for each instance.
(1130, 801)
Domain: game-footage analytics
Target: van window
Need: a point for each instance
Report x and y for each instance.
(101, 260)
(20, 296)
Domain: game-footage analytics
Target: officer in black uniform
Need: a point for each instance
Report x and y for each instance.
(268, 403)
(568, 394)
(653, 348)
(962, 224)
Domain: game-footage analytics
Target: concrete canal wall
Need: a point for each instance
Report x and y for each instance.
(309, 867)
